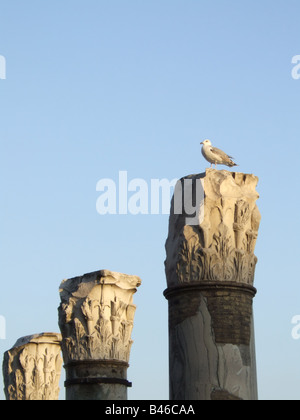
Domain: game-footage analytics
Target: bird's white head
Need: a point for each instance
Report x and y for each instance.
(206, 143)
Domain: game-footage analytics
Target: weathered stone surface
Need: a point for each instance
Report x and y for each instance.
(210, 274)
(96, 320)
(199, 363)
(221, 247)
(32, 368)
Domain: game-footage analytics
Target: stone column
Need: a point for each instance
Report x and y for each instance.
(210, 268)
(96, 320)
(32, 368)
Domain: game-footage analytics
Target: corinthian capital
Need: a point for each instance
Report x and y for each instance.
(32, 368)
(96, 316)
(221, 246)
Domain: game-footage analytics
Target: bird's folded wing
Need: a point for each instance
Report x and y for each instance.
(220, 153)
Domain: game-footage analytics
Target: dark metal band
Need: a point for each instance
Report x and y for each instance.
(201, 286)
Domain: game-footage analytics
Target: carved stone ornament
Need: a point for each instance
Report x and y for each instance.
(221, 246)
(96, 316)
(32, 368)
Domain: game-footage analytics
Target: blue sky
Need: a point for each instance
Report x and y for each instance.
(96, 87)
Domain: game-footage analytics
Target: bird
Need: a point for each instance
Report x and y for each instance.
(216, 156)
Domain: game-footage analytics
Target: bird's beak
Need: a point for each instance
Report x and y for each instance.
(202, 142)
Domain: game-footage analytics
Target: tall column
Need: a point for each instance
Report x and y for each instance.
(32, 368)
(96, 320)
(210, 269)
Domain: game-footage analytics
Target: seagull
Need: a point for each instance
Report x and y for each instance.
(216, 156)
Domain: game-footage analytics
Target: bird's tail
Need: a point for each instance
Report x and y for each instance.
(231, 164)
